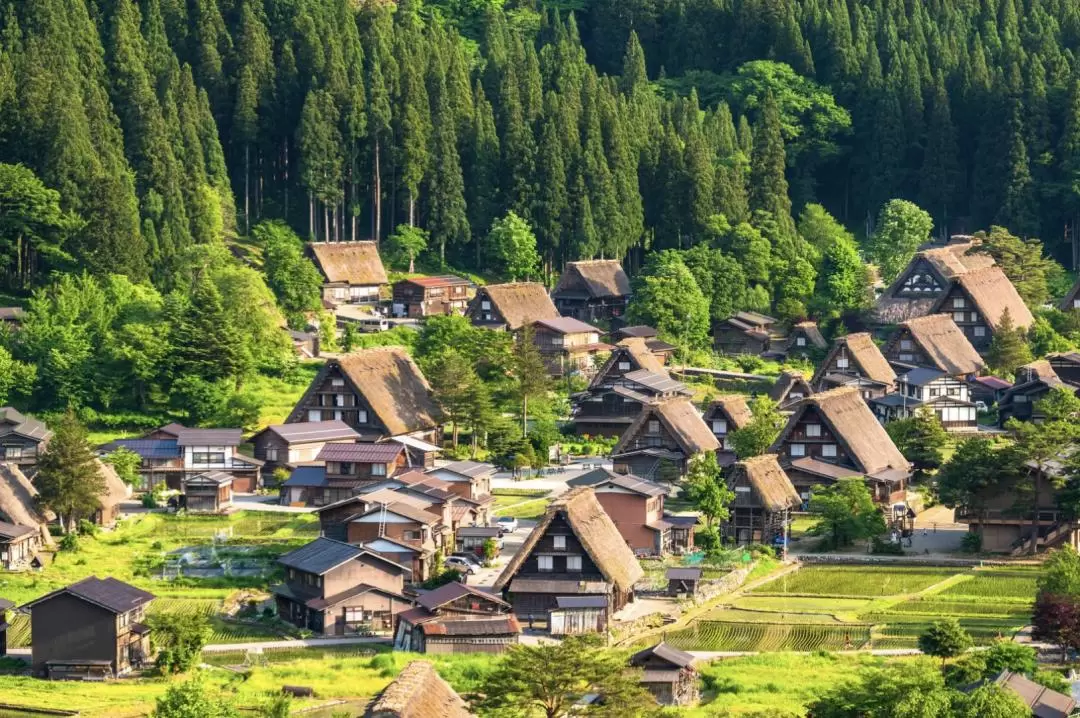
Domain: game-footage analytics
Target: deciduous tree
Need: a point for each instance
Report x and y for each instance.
(901, 228)
(706, 488)
(755, 438)
(846, 512)
(945, 639)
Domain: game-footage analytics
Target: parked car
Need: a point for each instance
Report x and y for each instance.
(507, 524)
(460, 564)
(981, 406)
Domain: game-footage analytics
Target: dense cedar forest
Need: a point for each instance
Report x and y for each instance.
(614, 127)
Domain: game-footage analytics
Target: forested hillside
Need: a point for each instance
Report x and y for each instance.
(618, 128)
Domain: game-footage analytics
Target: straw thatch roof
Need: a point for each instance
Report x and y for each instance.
(853, 424)
(682, 420)
(992, 293)
(115, 489)
(596, 532)
(18, 504)
(733, 407)
(770, 483)
(391, 385)
(787, 381)
(954, 259)
(1066, 303)
(811, 332)
(946, 262)
(518, 303)
(942, 343)
(349, 262)
(596, 279)
(637, 352)
(418, 692)
(864, 357)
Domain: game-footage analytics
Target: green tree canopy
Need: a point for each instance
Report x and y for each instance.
(901, 228)
(846, 512)
(69, 479)
(755, 438)
(513, 248)
(667, 297)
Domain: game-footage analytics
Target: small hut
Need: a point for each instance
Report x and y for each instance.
(578, 614)
(210, 492)
(669, 674)
(116, 491)
(683, 581)
(418, 692)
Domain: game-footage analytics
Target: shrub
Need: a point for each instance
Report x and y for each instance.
(88, 528)
(70, 542)
(708, 540)
(886, 548)
(149, 501)
(971, 543)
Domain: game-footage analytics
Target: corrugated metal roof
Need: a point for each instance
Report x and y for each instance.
(209, 437)
(600, 476)
(500, 626)
(306, 476)
(320, 556)
(581, 601)
(453, 591)
(309, 431)
(148, 448)
(471, 469)
(361, 453)
(660, 383)
(683, 574)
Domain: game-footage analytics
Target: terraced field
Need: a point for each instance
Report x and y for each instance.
(837, 607)
(224, 631)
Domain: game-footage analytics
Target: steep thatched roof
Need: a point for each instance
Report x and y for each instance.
(519, 302)
(769, 482)
(733, 407)
(947, 262)
(993, 294)
(596, 532)
(418, 692)
(681, 418)
(389, 382)
(596, 278)
(1066, 303)
(811, 332)
(865, 359)
(854, 426)
(18, 503)
(115, 489)
(942, 342)
(637, 352)
(787, 381)
(349, 262)
(953, 259)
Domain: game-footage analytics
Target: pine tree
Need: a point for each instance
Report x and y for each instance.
(482, 162)
(321, 158)
(531, 380)
(203, 336)
(552, 209)
(939, 177)
(1008, 348)
(69, 479)
(768, 183)
(1017, 212)
(447, 220)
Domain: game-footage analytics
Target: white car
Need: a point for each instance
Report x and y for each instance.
(460, 564)
(507, 524)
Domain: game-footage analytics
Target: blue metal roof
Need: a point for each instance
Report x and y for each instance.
(307, 476)
(149, 448)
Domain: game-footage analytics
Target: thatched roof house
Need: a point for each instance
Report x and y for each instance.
(934, 341)
(854, 355)
(929, 274)
(763, 496)
(769, 484)
(418, 692)
(992, 294)
(511, 306)
(723, 416)
(805, 336)
(605, 565)
(1071, 300)
(667, 430)
(18, 501)
(592, 289)
(790, 388)
(349, 263)
(116, 491)
(390, 396)
(636, 351)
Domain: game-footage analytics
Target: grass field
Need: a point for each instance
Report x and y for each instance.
(520, 507)
(829, 607)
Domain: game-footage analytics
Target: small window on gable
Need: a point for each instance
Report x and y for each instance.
(573, 563)
(485, 305)
(798, 449)
(654, 426)
(841, 362)
(980, 331)
(958, 316)
(958, 303)
(560, 542)
(813, 429)
(719, 426)
(905, 344)
(828, 450)
(337, 382)
(624, 366)
(545, 563)
(800, 341)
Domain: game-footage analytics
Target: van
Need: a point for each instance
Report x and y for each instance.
(373, 324)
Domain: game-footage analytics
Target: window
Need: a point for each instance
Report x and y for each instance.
(798, 449)
(958, 303)
(339, 400)
(935, 392)
(742, 489)
(980, 331)
(314, 415)
(958, 316)
(573, 563)
(1076, 304)
(545, 563)
(719, 426)
(13, 452)
(800, 341)
(905, 344)
(907, 357)
(1019, 399)
(829, 451)
(654, 426)
(813, 429)
(292, 573)
(841, 363)
(624, 366)
(345, 467)
(485, 305)
(208, 457)
(795, 395)
(560, 542)
(410, 535)
(378, 469)
(271, 453)
(337, 382)
(354, 615)
(361, 416)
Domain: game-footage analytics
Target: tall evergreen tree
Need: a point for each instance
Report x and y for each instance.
(768, 182)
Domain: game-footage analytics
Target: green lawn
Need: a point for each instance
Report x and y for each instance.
(278, 396)
(528, 510)
(856, 581)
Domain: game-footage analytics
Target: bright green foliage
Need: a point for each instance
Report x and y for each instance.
(768, 183)
(126, 463)
(1044, 339)
(16, 378)
(843, 282)
(293, 278)
(991, 701)
(178, 639)
(846, 512)
(707, 489)
(921, 439)
(945, 639)
(755, 438)
(453, 383)
(204, 337)
(976, 472)
(512, 245)
(404, 245)
(720, 278)
(1008, 347)
(69, 480)
(1061, 573)
(667, 297)
(33, 227)
(1023, 262)
(192, 699)
(912, 689)
(530, 374)
(901, 228)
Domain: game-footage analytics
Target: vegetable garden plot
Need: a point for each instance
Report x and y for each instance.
(856, 581)
(730, 636)
(997, 585)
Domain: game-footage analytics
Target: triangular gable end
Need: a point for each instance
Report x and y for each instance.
(797, 417)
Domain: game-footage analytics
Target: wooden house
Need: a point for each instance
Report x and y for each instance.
(305, 344)
(592, 290)
(978, 300)
(91, 630)
(936, 342)
(575, 615)
(22, 438)
(431, 296)
(764, 496)
(928, 276)
(1043, 702)
(987, 389)
(668, 674)
(1071, 300)
(683, 581)
(352, 272)
(567, 345)
(663, 439)
(636, 507)
(575, 549)
(291, 445)
(5, 606)
(631, 377)
(175, 452)
(510, 306)
(1067, 366)
(725, 415)
(466, 508)
(805, 340)
(743, 333)
(471, 539)
(335, 589)
(790, 388)
(1033, 382)
(19, 545)
(18, 507)
(455, 618)
(661, 349)
(468, 479)
(418, 692)
(211, 492)
(345, 469)
(855, 360)
(923, 389)
(380, 393)
(834, 435)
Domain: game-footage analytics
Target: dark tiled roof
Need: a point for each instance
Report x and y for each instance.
(663, 651)
(629, 482)
(406, 510)
(25, 425)
(496, 626)
(214, 477)
(921, 375)
(638, 330)
(147, 448)
(320, 556)
(568, 325)
(471, 469)
(361, 453)
(581, 601)
(683, 574)
(453, 591)
(109, 593)
(306, 431)
(14, 531)
(209, 437)
(307, 476)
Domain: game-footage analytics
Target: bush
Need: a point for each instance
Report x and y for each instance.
(971, 543)
(88, 528)
(886, 548)
(708, 540)
(149, 501)
(442, 579)
(70, 542)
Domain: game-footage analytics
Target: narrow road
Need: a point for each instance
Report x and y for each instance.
(717, 655)
(294, 643)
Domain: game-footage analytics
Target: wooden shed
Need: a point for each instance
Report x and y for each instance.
(578, 614)
(669, 674)
(210, 492)
(683, 580)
